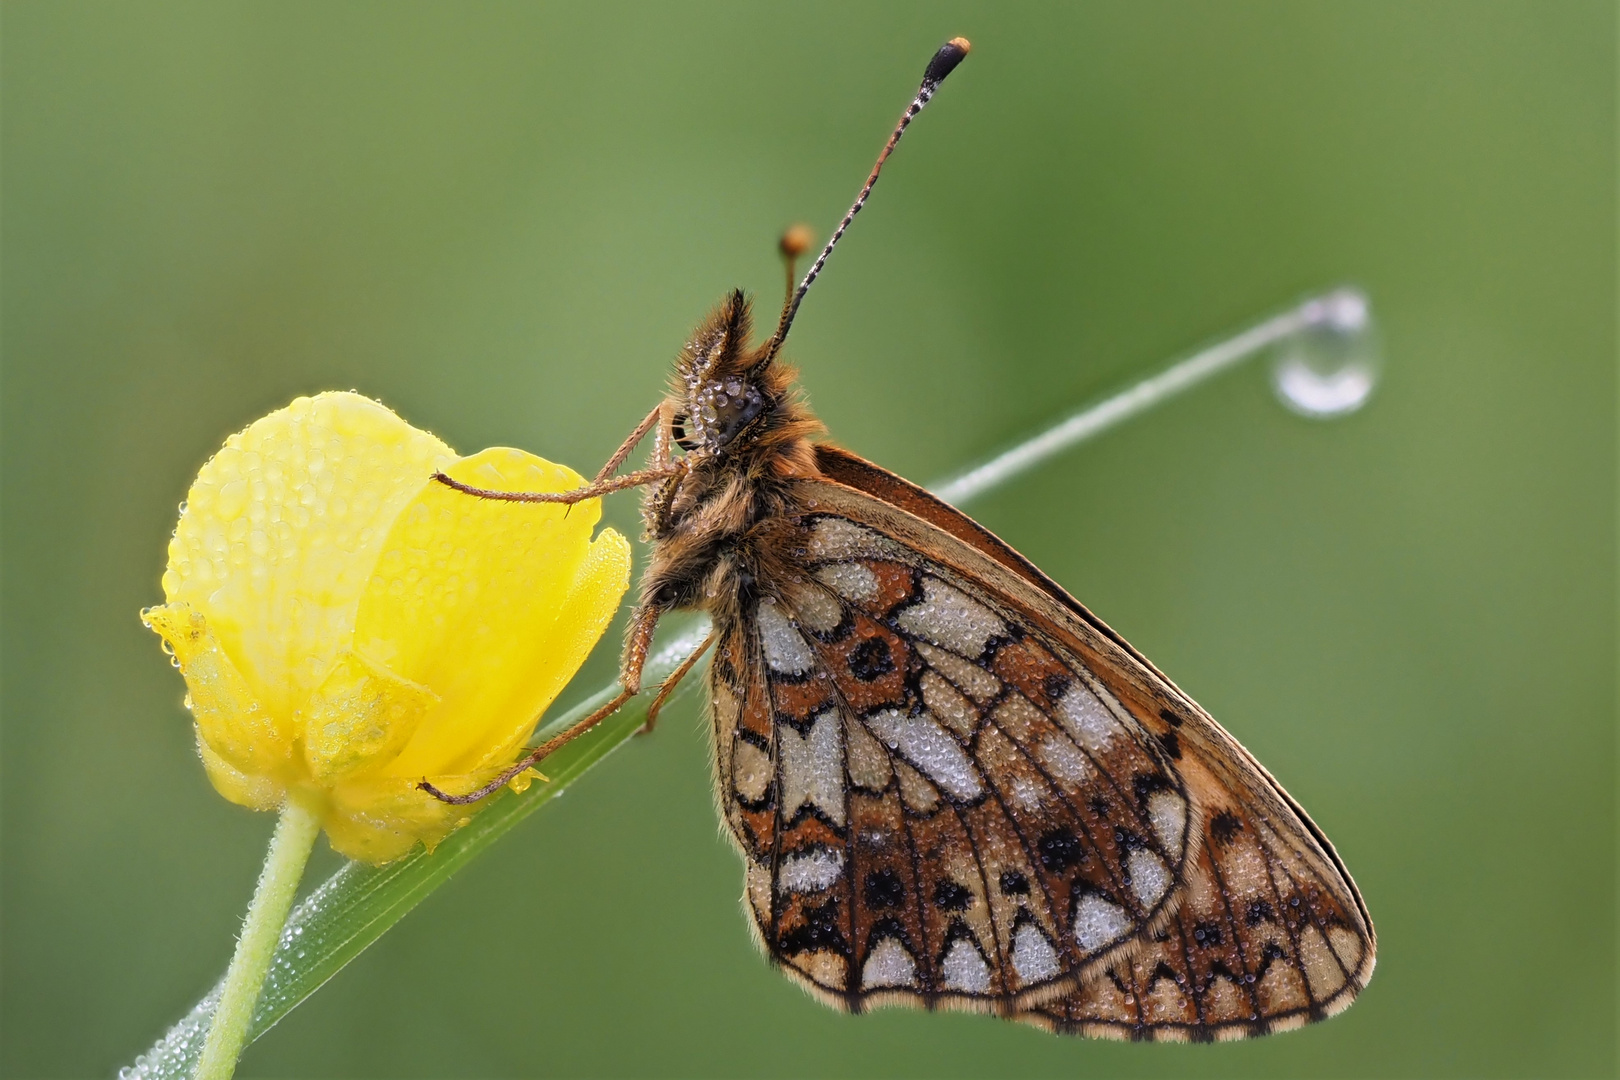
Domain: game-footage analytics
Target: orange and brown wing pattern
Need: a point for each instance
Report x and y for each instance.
(1262, 928)
(1258, 944)
(935, 807)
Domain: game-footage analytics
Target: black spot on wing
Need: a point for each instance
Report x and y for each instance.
(871, 660)
(1059, 850)
(884, 889)
(949, 896)
(1014, 883)
(820, 930)
(1171, 744)
(1224, 827)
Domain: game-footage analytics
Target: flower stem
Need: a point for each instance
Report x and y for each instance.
(294, 838)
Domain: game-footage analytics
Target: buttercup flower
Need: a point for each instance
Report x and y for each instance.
(347, 628)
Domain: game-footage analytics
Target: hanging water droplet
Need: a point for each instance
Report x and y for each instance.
(1330, 367)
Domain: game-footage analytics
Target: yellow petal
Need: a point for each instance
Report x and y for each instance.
(360, 717)
(582, 618)
(244, 789)
(493, 605)
(231, 721)
(378, 818)
(280, 533)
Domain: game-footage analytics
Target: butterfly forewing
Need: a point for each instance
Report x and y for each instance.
(953, 789)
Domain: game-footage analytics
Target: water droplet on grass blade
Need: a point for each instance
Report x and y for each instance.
(1330, 366)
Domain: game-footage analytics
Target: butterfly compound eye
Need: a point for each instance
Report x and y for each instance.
(725, 409)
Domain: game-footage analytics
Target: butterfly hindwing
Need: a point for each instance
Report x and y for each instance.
(955, 787)
(936, 806)
(1257, 945)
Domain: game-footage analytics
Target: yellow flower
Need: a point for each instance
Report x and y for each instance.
(347, 628)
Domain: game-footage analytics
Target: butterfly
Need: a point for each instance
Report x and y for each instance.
(951, 784)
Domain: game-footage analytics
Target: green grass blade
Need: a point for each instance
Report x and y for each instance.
(357, 905)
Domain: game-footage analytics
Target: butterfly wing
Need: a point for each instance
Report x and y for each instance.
(1259, 943)
(1262, 928)
(935, 806)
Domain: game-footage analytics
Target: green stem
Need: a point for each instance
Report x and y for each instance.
(283, 868)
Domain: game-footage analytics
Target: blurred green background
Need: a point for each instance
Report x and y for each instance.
(502, 219)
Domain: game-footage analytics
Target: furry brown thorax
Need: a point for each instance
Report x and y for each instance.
(747, 432)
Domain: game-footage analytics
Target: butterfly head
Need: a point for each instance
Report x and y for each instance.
(728, 395)
(726, 391)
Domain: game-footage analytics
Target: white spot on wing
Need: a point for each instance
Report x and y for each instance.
(751, 771)
(1033, 956)
(1064, 760)
(965, 969)
(837, 538)
(785, 649)
(1025, 793)
(889, 965)
(1149, 876)
(817, 609)
(851, 580)
(1098, 923)
(811, 871)
(931, 748)
(759, 892)
(1320, 966)
(1167, 813)
(976, 682)
(918, 794)
(948, 704)
(1086, 718)
(950, 618)
(868, 762)
(813, 767)
(1346, 945)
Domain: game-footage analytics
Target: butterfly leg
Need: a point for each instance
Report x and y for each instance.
(669, 684)
(604, 483)
(589, 491)
(639, 641)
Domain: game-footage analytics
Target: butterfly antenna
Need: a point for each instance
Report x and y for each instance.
(944, 62)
